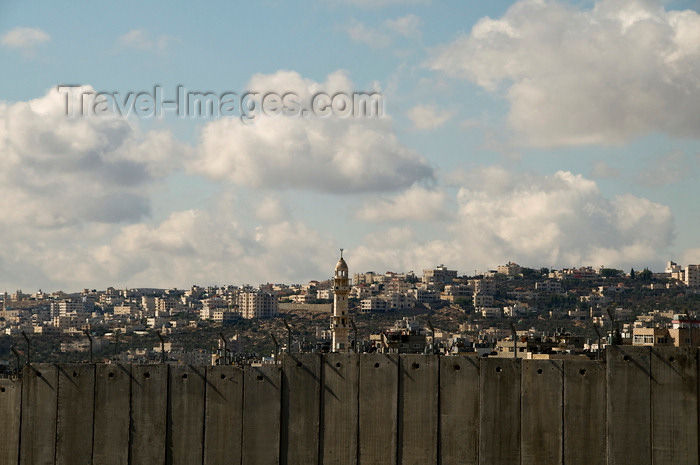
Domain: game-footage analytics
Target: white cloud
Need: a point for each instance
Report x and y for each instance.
(407, 26)
(25, 39)
(76, 193)
(580, 76)
(141, 40)
(563, 218)
(205, 247)
(602, 169)
(690, 256)
(670, 168)
(378, 4)
(428, 116)
(383, 36)
(557, 220)
(325, 154)
(60, 171)
(271, 209)
(416, 203)
(361, 33)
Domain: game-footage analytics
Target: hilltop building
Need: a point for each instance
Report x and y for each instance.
(339, 321)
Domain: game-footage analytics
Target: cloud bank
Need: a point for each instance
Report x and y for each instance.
(575, 76)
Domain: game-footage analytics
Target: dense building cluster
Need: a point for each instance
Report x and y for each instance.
(487, 302)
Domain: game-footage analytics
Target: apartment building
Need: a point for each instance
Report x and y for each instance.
(258, 304)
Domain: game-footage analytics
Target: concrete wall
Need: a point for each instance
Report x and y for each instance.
(639, 406)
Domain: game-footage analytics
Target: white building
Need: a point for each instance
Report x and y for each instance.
(69, 308)
(490, 312)
(340, 325)
(510, 269)
(692, 275)
(548, 286)
(374, 304)
(257, 304)
(440, 275)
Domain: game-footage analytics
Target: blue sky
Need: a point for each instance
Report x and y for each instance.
(549, 133)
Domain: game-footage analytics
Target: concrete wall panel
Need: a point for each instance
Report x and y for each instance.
(459, 410)
(339, 409)
(584, 412)
(541, 428)
(262, 401)
(378, 404)
(639, 406)
(112, 418)
(39, 396)
(74, 418)
(149, 411)
(301, 394)
(10, 412)
(674, 405)
(185, 437)
(499, 428)
(418, 409)
(629, 412)
(223, 424)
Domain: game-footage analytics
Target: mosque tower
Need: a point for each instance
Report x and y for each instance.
(339, 321)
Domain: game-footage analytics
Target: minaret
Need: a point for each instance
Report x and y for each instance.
(339, 320)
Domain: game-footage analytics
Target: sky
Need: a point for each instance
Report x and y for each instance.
(547, 133)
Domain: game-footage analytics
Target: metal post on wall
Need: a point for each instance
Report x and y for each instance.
(432, 330)
(289, 336)
(277, 347)
(515, 340)
(599, 339)
(116, 344)
(14, 351)
(354, 330)
(29, 348)
(162, 347)
(87, 333)
(221, 335)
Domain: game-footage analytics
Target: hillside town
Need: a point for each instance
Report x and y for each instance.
(510, 311)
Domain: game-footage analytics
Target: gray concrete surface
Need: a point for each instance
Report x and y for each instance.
(674, 405)
(584, 413)
(38, 428)
(499, 427)
(378, 404)
(10, 411)
(638, 406)
(262, 406)
(149, 414)
(459, 410)
(185, 436)
(629, 409)
(223, 423)
(112, 414)
(75, 413)
(301, 416)
(339, 409)
(418, 409)
(541, 412)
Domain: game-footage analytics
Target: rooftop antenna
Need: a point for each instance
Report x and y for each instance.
(87, 333)
(162, 347)
(289, 336)
(29, 348)
(354, 329)
(515, 340)
(223, 338)
(277, 347)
